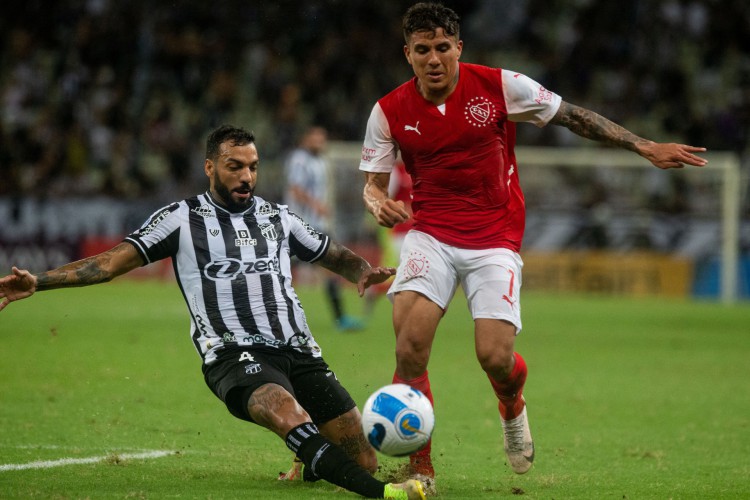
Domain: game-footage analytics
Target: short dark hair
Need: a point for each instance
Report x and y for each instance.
(428, 16)
(237, 135)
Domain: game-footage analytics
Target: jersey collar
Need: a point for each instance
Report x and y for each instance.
(219, 206)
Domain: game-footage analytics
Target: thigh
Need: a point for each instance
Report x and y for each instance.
(415, 321)
(236, 373)
(492, 282)
(318, 390)
(425, 267)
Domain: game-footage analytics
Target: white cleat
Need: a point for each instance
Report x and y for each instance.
(517, 442)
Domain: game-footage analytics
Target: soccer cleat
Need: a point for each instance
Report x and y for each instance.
(409, 490)
(427, 482)
(517, 442)
(294, 473)
(424, 473)
(421, 469)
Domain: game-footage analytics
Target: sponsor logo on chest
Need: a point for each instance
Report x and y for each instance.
(243, 239)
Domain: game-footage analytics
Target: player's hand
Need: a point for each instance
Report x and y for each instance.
(373, 276)
(671, 155)
(391, 212)
(16, 286)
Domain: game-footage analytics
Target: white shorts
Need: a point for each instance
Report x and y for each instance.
(491, 278)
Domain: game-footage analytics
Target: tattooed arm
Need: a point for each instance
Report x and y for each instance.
(354, 268)
(97, 269)
(593, 126)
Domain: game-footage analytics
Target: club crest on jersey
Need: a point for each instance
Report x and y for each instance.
(243, 239)
(416, 265)
(269, 232)
(480, 112)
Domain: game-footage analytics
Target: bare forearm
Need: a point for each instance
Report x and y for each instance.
(588, 124)
(344, 262)
(591, 125)
(387, 212)
(91, 270)
(84, 272)
(373, 196)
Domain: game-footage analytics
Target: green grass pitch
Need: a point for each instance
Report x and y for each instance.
(628, 399)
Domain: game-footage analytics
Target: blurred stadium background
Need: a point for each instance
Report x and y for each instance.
(106, 105)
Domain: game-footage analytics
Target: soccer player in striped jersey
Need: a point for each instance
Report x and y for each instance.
(454, 127)
(231, 254)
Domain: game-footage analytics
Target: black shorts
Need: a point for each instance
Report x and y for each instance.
(234, 376)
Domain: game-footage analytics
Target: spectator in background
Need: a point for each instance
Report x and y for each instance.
(308, 194)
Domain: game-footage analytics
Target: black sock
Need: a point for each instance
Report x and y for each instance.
(329, 462)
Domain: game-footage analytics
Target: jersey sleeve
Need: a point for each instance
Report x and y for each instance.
(306, 242)
(527, 100)
(158, 237)
(379, 150)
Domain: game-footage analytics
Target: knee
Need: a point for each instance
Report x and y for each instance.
(412, 358)
(496, 363)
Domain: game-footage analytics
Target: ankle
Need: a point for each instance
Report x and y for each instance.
(510, 408)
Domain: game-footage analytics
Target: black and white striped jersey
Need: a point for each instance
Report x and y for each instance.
(234, 270)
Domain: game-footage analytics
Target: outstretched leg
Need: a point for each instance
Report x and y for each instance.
(274, 408)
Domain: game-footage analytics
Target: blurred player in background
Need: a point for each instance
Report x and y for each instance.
(308, 188)
(231, 254)
(454, 126)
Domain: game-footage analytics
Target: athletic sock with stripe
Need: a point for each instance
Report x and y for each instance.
(329, 462)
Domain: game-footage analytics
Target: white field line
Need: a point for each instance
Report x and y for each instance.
(47, 464)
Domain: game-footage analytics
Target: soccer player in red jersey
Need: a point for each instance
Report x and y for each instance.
(454, 124)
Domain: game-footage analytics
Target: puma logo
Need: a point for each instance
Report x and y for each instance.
(509, 297)
(415, 128)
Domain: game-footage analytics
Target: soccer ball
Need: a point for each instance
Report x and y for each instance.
(398, 420)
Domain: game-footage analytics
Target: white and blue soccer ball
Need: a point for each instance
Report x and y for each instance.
(398, 420)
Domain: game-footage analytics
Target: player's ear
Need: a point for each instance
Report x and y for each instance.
(460, 48)
(208, 167)
(407, 53)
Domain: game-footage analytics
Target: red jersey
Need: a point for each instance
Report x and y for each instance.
(460, 155)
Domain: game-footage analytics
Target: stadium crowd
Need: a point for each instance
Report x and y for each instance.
(100, 96)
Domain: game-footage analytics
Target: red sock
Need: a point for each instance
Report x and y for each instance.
(509, 391)
(420, 460)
